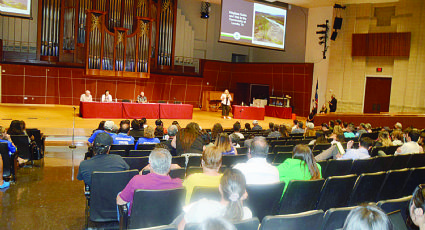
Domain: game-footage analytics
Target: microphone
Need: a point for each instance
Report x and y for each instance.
(74, 107)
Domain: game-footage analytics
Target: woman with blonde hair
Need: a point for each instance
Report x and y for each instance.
(149, 137)
(224, 144)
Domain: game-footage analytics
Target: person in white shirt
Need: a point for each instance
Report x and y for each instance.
(106, 97)
(411, 145)
(237, 130)
(226, 98)
(361, 153)
(256, 169)
(86, 97)
(295, 125)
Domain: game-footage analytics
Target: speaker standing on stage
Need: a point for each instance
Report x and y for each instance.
(332, 104)
(226, 98)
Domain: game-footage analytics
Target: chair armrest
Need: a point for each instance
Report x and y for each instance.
(87, 191)
(123, 210)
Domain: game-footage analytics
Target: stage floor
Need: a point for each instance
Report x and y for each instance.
(56, 121)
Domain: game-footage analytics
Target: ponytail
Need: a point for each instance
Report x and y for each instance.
(233, 186)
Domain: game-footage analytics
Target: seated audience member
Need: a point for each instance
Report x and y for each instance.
(234, 140)
(325, 128)
(149, 137)
(398, 126)
(206, 138)
(143, 123)
(188, 140)
(159, 130)
(16, 127)
(135, 131)
(368, 127)
(172, 132)
(368, 217)
(101, 125)
(256, 169)
(338, 129)
(295, 126)
(349, 131)
(421, 140)
(397, 137)
(124, 124)
(233, 192)
(86, 97)
(333, 150)
(256, 125)
(324, 109)
(211, 163)
(361, 153)
(384, 139)
(176, 123)
(216, 130)
(344, 126)
(101, 161)
(247, 127)
(309, 130)
(106, 97)
(141, 98)
(270, 129)
(107, 128)
(249, 140)
(157, 179)
(275, 132)
(312, 114)
(302, 166)
(237, 130)
(361, 129)
(320, 139)
(300, 128)
(338, 122)
(417, 208)
(283, 131)
(411, 145)
(5, 138)
(122, 138)
(224, 145)
(331, 126)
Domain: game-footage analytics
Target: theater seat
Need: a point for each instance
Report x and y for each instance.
(136, 162)
(366, 188)
(362, 166)
(281, 157)
(335, 217)
(337, 168)
(300, 221)
(301, 196)
(393, 185)
(392, 205)
(249, 224)
(417, 177)
(336, 191)
(211, 193)
(264, 199)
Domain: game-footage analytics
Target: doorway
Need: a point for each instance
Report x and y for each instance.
(377, 94)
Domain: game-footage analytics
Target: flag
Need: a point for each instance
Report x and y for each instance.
(316, 97)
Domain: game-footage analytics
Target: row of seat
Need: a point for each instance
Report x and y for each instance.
(145, 150)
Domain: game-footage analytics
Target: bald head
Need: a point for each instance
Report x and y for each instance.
(259, 147)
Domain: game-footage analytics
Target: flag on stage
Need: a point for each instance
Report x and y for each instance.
(316, 97)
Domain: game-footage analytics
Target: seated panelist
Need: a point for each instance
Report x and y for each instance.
(106, 97)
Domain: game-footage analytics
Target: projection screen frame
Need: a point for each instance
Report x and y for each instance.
(19, 15)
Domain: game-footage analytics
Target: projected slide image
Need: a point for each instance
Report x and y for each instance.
(14, 4)
(269, 26)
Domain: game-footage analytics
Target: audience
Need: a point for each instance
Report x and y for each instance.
(188, 140)
(361, 153)
(136, 130)
(107, 128)
(295, 126)
(149, 137)
(234, 140)
(159, 130)
(361, 129)
(384, 139)
(256, 125)
(256, 170)
(274, 132)
(417, 208)
(397, 137)
(247, 127)
(283, 131)
(211, 163)
(368, 217)
(237, 130)
(101, 161)
(5, 138)
(216, 130)
(270, 129)
(233, 193)
(398, 126)
(411, 145)
(349, 131)
(172, 132)
(157, 179)
(224, 144)
(299, 128)
(309, 130)
(122, 138)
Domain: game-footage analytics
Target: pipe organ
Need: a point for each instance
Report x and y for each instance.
(123, 38)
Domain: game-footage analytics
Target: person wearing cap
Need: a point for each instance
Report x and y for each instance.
(157, 179)
(86, 97)
(102, 161)
(107, 128)
(256, 125)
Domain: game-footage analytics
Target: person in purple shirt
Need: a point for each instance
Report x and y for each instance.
(107, 128)
(361, 153)
(157, 179)
(5, 138)
(149, 137)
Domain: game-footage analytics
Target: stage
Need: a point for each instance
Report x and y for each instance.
(56, 121)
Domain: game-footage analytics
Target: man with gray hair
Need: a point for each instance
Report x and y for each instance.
(256, 169)
(300, 128)
(172, 132)
(157, 179)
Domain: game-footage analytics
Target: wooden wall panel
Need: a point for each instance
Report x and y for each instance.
(53, 85)
(381, 44)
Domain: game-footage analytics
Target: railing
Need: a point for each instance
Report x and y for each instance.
(18, 50)
(186, 64)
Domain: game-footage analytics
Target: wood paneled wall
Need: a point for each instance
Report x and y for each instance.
(381, 44)
(56, 85)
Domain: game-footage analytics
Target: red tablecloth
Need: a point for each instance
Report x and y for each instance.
(137, 110)
(100, 110)
(175, 111)
(248, 113)
(280, 112)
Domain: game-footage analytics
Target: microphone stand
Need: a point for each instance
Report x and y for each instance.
(72, 146)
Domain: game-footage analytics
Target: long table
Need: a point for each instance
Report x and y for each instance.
(279, 112)
(248, 112)
(124, 110)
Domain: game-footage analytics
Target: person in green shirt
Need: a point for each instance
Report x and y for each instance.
(302, 166)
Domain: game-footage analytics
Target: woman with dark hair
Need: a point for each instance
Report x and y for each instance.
(417, 208)
(188, 140)
(283, 131)
(233, 192)
(302, 166)
(136, 131)
(247, 126)
(159, 130)
(224, 144)
(101, 126)
(16, 128)
(216, 130)
(368, 217)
